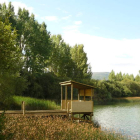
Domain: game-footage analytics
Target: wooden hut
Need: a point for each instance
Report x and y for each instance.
(79, 106)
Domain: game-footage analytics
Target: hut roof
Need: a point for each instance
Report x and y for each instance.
(76, 84)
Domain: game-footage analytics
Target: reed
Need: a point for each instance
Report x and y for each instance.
(33, 103)
(54, 128)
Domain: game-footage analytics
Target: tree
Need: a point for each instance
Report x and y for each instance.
(137, 78)
(132, 77)
(119, 77)
(10, 62)
(82, 69)
(34, 41)
(112, 76)
(60, 60)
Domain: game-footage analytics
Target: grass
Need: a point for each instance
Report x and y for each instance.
(54, 128)
(33, 103)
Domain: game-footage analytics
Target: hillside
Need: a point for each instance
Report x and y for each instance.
(100, 75)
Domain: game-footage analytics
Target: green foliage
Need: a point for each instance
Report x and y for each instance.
(60, 62)
(112, 76)
(119, 76)
(137, 78)
(117, 86)
(82, 70)
(10, 63)
(34, 42)
(102, 93)
(33, 103)
(9, 52)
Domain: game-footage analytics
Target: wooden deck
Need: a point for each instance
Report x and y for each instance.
(36, 112)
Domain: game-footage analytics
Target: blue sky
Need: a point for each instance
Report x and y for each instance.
(109, 29)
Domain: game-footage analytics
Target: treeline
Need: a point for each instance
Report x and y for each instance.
(118, 85)
(32, 61)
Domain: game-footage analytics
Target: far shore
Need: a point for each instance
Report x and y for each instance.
(128, 98)
(118, 100)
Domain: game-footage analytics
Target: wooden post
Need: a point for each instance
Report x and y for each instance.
(66, 93)
(90, 117)
(78, 100)
(68, 110)
(71, 92)
(79, 117)
(91, 94)
(84, 94)
(61, 96)
(71, 116)
(23, 107)
(71, 96)
(78, 94)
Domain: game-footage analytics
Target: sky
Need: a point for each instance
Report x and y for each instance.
(108, 29)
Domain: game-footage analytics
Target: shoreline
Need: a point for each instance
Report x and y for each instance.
(118, 100)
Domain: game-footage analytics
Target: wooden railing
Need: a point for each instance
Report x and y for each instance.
(77, 106)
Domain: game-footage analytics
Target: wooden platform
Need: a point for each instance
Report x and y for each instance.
(36, 112)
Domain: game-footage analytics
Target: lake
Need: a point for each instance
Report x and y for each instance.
(123, 117)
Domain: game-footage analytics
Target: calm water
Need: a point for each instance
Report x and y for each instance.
(124, 118)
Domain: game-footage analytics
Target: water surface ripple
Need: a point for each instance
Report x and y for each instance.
(124, 118)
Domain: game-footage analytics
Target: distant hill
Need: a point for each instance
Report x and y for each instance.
(100, 75)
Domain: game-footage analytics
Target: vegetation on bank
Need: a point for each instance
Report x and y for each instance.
(119, 85)
(32, 104)
(127, 100)
(18, 127)
(118, 100)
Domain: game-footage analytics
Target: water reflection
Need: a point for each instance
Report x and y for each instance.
(124, 118)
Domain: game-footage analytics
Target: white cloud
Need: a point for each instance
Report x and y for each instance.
(21, 5)
(63, 11)
(74, 28)
(78, 22)
(36, 15)
(17, 4)
(4, 1)
(51, 18)
(66, 17)
(71, 28)
(106, 54)
(79, 14)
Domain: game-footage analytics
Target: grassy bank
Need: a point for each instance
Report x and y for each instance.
(33, 103)
(53, 128)
(118, 100)
(40, 104)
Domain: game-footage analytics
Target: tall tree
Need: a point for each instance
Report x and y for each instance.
(34, 41)
(60, 60)
(119, 77)
(10, 62)
(112, 76)
(82, 69)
